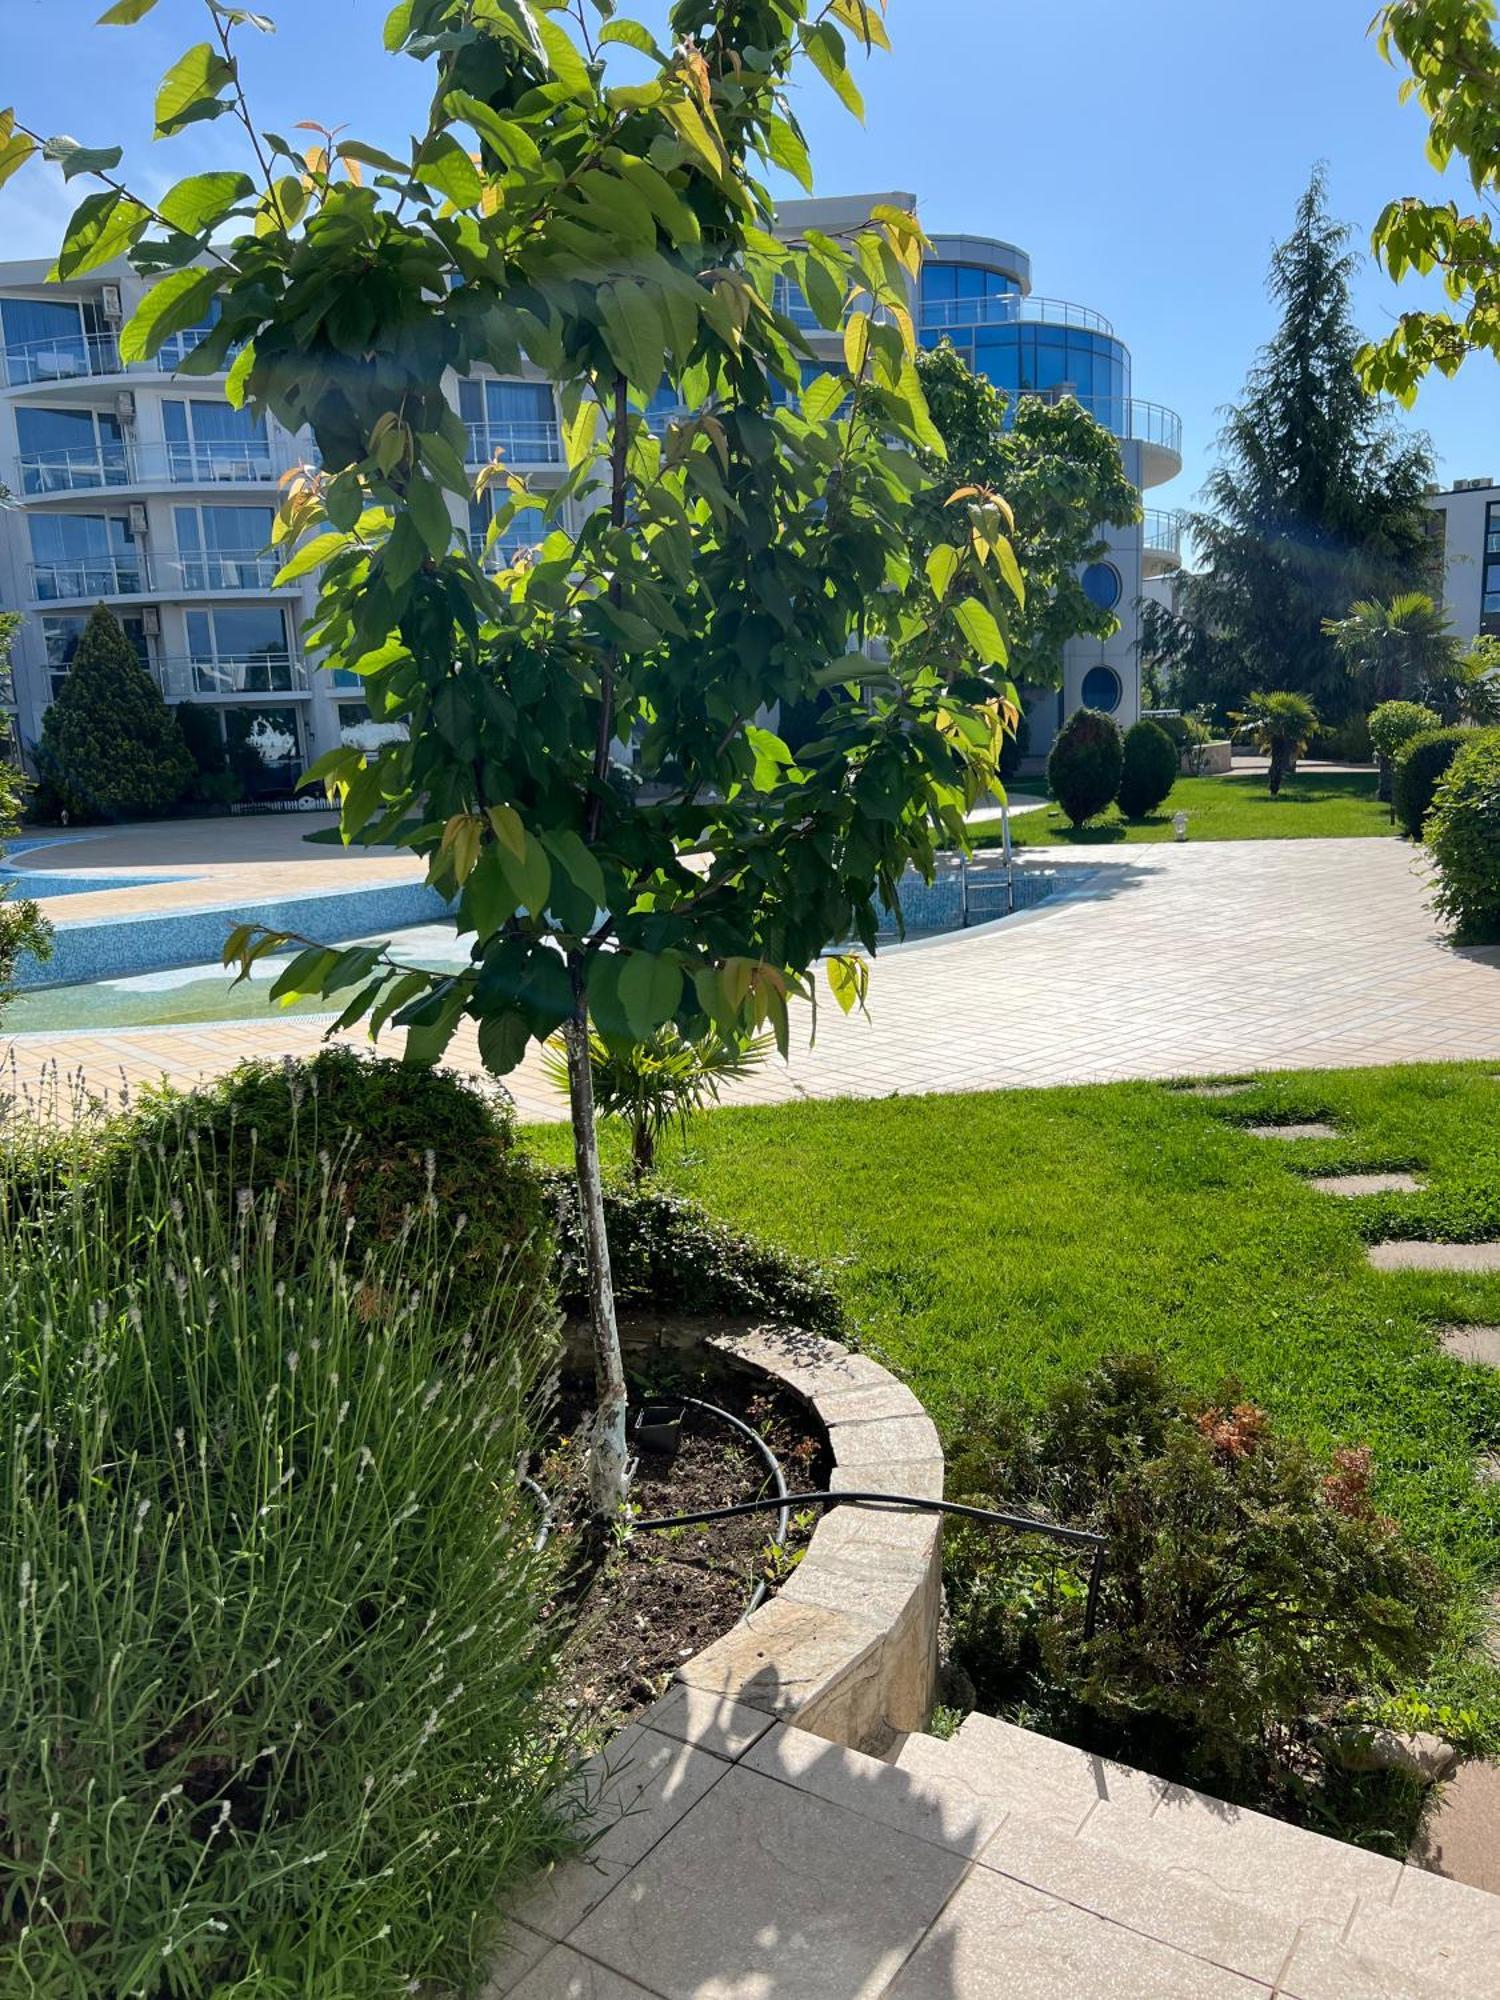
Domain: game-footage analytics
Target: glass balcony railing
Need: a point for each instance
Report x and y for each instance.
(170, 575)
(1127, 417)
(221, 462)
(90, 577)
(75, 357)
(529, 441)
(1010, 309)
(260, 673)
(225, 570)
(1161, 532)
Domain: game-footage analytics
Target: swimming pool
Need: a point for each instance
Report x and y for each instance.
(42, 883)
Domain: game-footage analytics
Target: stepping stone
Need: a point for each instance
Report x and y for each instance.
(1310, 1131)
(1476, 1258)
(1217, 1089)
(1356, 1184)
(1487, 1472)
(1477, 1344)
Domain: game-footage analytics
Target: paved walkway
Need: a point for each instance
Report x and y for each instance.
(1224, 957)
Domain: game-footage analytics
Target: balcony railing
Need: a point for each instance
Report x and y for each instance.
(1161, 532)
(87, 469)
(90, 577)
(1148, 423)
(533, 441)
(503, 554)
(225, 571)
(170, 575)
(192, 674)
(75, 357)
(1011, 309)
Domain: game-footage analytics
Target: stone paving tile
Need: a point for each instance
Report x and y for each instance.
(520, 1951)
(1479, 1345)
(566, 1975)
(708, 1721)
(1474, 1258)
(1352, 1185)
(821, 1904)
(1224, 957)
(901, 1799)
(1000, 1940)
(1324, 1967)
(1313, 1130)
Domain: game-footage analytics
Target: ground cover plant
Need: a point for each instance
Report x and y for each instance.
(1311, 805)
(272, 1668)
(1007, 1242)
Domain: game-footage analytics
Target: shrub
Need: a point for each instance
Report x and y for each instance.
(1149, 770)
(111, 747)
(669, 1256)
(1084, 767)
(272, 1652)
(1463, 832)
(403, 1136)
(24, 931)
(1247, 1592)
(1421, 763)
(1396, 722)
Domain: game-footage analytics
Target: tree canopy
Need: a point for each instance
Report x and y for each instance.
(111, 748)
(1317, 500)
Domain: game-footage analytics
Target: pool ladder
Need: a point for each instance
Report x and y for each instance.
(973, 887)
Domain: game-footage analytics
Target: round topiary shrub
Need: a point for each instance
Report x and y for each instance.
(391, 1140)
(1085, 765)
(1463, 832)
(1148, 771)
(1421, 763)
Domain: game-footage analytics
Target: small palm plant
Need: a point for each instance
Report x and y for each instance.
(1280, 725)
(656, 1084)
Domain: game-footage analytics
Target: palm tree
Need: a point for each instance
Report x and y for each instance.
(653, 1085)
(1402, 649)
(1280, 725)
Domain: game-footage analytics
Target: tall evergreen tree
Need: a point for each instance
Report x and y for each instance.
(111, 747)
(1316, 503)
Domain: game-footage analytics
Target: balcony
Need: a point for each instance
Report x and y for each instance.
(185, 675)
(1161, 541)
(89, 579)
(84, 357)
(526, 442)
(49, 475)
(1010, 309)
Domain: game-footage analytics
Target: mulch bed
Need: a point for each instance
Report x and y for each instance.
(644, 1605)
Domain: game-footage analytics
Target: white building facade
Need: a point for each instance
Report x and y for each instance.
(1465, 521)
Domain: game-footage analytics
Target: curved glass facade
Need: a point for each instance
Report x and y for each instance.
(1025, 349)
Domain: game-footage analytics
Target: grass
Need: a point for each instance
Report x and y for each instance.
(1313, 805)
(1011, 1239)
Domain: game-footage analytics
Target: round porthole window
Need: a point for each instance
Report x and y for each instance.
(1101, 585)
(1102, 690)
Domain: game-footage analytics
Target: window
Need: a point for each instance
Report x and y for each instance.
(52, 340)
(209, 441)
(1101, 585)
(224, 548)
(516, 419)
(84, 555)
(68, 451)
(1489, 620)
(1102, 690)
(240, 651)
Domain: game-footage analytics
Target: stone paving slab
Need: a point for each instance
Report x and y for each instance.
(1476, 1259)
(1351, 1186)
(1314, 1129)
(1479, 1345)
(1214, 959)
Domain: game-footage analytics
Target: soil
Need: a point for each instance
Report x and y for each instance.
(645, 1604)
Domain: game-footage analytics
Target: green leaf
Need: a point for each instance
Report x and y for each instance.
(429, 514)
(567, 63)
(102, 228)
(178, 300)
(978, 626)
(371, 156)
(239, 375)
(190, 89)
(443, 164)
(75, 159)
(125, 13)
(305, 974)
(823, 396)
(427, 1044)
(398, 24)
(578, 863)
(311, 556)
(635, 35)
(650, 989)
(530, 876)
(789, 152)
(15, 151)
(511, 141)
(490, 895)
(633, 333)
(202, 201)
(503, 1042)
(942, 567)
(825, 49)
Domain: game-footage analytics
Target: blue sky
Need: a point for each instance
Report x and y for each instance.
(1148, 155)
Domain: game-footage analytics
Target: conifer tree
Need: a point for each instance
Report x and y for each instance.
(111, 747)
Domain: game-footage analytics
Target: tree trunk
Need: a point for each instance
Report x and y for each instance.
(643, 1149)
(607, 1484)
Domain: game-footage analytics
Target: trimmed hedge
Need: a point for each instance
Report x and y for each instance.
(1149, 770)
(1421, 764)
(1085, 765)
(1463, 832)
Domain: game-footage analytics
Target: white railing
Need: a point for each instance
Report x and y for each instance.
(221, 571)
(222, 462)
(276, 673)
(90, 577)
(532, 441)
(1161, 531)
(74, 357)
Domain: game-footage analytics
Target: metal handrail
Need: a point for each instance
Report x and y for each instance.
(533, 441)
(198, 673)
(220, 571)
(90, 576)
(76, 357)
(171, 574)
(1161, 529)
(1011, 309)
(87, 469)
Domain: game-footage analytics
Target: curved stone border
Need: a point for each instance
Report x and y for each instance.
(848, 1648)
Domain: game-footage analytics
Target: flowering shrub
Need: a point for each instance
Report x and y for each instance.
(271, 1662)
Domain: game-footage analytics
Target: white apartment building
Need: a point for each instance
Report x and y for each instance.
(146, 491)
(1465, 520)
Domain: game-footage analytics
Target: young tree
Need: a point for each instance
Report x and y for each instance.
(1450, 48)
(1063, 479)
(1317, 500)
(1280, 725)
(111, 747)
(1398, 651)
(611, 232)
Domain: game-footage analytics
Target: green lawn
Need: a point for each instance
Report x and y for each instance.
(1313, 805)
(1012, 1239)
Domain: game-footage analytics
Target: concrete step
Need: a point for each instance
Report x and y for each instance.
(1310, 1917)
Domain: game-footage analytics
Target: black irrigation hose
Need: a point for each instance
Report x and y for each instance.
(773, 1466)
(896, 1502)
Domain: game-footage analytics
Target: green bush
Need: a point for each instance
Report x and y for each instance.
(1421, 763)
(1345, 742)
(403, 1138)
(1463, 832)
(111, 748)
(24, 931)
(273, 1659)
(1085, 765)
(668, 1256)
(1148, 771)
(1396, 722)
(1247, 1592)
